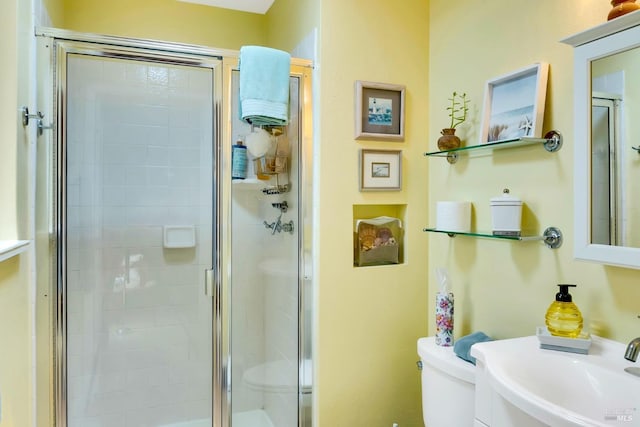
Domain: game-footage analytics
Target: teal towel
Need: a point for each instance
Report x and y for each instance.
(264, 85)
(462, 346)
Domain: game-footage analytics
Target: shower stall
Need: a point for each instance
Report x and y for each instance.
(179, 298)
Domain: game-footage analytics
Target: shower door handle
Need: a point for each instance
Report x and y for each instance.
(208, 282)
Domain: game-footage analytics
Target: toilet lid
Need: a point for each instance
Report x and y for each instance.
(445, 360)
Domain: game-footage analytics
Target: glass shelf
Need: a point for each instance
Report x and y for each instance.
(552, 142)
(552, 236)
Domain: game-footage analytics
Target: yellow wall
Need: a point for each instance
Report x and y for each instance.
(15, 310)
(55, 9)
(8, 119)
(370, 318)
(504, 288)
(169, 20)
(290, 21)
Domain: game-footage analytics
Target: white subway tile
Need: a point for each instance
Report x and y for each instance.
(114, 71)
(157, 135)
(183, 295)
(158, 75)
(183, 177)
(135, 73)
(157, 176)
(113, 195)
(178, 78)
(114, 174)
(183, 136)
(184, 156)
(159, 156)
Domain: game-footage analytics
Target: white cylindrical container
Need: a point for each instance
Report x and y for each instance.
(453, 216)
(506, 212)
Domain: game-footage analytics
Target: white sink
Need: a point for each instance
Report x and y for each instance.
(559, 388)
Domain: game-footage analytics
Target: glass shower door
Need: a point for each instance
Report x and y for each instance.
(265, 284)
(137, 195)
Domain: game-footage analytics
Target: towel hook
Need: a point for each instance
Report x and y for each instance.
(26, 116)
(39, 116)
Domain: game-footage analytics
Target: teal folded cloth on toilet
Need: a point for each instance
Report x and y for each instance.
(264, 85)
(462, 346)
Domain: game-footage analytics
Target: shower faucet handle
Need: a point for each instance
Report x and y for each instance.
(287, 227)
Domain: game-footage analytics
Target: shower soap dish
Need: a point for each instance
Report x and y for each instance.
(179, 236)
(579, 345)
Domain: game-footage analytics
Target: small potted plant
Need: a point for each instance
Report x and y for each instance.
(458, 114)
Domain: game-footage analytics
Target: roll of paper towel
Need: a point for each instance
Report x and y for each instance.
(453, 216)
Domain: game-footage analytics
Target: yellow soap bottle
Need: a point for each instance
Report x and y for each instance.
(563, 317)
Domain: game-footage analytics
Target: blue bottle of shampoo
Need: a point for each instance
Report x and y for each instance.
(238, 161)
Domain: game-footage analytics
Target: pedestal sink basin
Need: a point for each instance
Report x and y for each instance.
(557, 388)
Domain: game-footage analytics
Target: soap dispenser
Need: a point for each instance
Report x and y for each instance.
(563, 317)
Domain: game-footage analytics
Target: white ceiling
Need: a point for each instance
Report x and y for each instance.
(255, 6)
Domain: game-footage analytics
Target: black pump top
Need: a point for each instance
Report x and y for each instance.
(564, 295)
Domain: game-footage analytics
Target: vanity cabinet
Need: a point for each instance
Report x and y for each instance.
(493, 410)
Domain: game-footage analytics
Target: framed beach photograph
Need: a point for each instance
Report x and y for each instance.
(379, 111)
(380, 170)
(514, 104)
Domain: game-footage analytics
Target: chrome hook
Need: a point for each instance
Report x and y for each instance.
(39, 116)
(26, 116)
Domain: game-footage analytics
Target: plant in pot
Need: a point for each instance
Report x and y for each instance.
(458, 114)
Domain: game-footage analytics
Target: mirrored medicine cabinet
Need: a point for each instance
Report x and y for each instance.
(607, 142)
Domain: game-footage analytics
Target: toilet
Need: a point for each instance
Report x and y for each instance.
(448, 386)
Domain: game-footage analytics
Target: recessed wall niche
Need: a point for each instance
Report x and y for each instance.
(378, 235)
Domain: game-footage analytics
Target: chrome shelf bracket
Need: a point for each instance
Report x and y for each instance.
(552, 237)
(554, 141)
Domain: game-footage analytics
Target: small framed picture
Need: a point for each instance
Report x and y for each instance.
(379, 111)
(380, 170)
(514, 104)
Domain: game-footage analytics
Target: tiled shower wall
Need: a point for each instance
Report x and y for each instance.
(265, 286)
(139, 153)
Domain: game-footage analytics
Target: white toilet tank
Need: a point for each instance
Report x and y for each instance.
(448, 386)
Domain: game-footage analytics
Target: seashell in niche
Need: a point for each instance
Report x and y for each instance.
(367, 236)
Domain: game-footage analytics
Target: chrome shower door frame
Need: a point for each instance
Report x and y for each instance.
(302, 70)
(60, 43)
(54, 45)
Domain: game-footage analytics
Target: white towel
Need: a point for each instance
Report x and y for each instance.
(264, 85)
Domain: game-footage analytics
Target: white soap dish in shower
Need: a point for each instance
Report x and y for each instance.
(179, 236)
